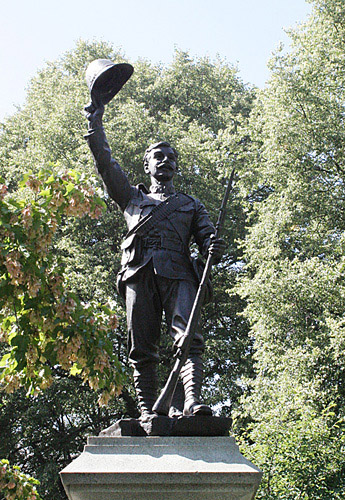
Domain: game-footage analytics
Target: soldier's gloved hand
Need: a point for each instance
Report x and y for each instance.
(216, 247)
(94, 114)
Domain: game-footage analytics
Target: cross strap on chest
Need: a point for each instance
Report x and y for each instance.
(157, 214)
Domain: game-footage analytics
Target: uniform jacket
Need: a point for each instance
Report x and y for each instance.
(167, 244)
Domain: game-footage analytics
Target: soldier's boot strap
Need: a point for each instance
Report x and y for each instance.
(145, 382)
(192, 374)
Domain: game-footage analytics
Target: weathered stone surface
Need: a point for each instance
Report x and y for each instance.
(156, 425)
(124, 427)
(161, 468)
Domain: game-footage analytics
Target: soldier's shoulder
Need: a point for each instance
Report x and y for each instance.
(194, 200)
(139, 191)
(137, 194)
(186, 196)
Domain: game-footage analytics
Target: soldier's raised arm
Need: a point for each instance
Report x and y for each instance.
(114, 178)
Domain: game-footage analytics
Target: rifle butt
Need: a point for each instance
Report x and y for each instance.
(163, 403)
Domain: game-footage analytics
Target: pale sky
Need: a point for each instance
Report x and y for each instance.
(244, 32)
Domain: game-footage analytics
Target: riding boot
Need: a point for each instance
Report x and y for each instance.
(192, 374)
(146, 383)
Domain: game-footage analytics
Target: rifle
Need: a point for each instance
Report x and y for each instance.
(163, 403)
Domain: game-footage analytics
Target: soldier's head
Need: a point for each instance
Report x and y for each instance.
(160, 161)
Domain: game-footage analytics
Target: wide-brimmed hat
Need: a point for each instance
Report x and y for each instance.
(105, 79)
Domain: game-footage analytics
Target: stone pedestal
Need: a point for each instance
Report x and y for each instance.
(161, 468)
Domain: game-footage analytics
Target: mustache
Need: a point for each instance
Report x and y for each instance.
(166, 165)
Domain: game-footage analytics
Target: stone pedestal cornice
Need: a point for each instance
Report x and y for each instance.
(161, 468)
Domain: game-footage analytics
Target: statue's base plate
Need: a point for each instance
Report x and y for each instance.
(157, 425)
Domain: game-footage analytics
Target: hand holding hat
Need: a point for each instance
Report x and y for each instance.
(105, 79)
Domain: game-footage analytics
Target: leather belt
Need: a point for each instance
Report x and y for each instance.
(161, 242)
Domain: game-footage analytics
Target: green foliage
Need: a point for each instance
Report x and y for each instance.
(292, 418)
(15, 485)
(299, 449)
(41, 321)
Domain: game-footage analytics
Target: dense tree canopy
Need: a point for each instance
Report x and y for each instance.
(294, 279)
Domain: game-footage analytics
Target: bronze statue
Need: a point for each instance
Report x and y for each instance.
(157, 273)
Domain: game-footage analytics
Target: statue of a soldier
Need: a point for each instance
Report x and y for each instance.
(157, 273)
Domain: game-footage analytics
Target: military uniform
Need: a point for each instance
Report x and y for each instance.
(159, 275)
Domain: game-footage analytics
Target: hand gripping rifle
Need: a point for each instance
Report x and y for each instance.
(163, 403)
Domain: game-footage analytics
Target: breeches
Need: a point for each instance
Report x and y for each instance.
(147, 296)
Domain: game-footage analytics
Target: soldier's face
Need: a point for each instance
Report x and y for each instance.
(161, 163)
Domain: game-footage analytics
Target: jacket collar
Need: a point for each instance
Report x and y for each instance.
(166, 189)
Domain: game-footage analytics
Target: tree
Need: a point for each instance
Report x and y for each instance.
(15, 485)
(41, 321)
(294, 276)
